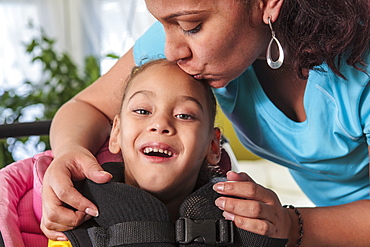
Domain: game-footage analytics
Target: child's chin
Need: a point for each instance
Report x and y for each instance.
(156, 190)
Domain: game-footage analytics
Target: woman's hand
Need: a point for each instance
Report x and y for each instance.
(75, 164)
(259, 211)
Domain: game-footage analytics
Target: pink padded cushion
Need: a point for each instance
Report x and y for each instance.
(29, 226)
(41, 163)
(16, 214)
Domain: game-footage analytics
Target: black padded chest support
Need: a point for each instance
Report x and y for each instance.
(129, 216)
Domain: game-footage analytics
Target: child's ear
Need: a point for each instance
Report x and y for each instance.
(214, 152)
(114, 139)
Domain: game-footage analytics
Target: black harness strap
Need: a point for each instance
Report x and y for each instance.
(132, 233)
(210, 232)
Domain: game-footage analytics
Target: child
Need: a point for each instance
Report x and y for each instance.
(165, 131)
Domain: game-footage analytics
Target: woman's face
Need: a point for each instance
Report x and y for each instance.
(211, 39)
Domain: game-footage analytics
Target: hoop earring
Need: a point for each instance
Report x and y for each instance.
(274, 64)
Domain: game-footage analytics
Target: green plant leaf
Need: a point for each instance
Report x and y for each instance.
(62, 79)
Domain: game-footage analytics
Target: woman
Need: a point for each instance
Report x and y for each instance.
(306, 110)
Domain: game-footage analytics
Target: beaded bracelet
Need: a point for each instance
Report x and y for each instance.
(300, 220)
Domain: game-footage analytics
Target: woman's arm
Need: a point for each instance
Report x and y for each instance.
(343, 225)
(78, 130)
(262, 213)
(100, 101)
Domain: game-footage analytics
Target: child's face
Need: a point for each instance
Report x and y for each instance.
(164, 131)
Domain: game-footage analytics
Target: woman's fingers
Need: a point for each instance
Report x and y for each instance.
(242, 176)
(97, 175)
(259, 226)
(91, 169)
(247, 190)
(58, 191)
(246, 208)
(56, 217)
(55, 210)
(53, 235)
(251, 206)
(255, 216)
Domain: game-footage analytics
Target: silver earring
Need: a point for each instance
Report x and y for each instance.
(274, 64)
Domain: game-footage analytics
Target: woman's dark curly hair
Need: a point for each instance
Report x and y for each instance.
(317, 31)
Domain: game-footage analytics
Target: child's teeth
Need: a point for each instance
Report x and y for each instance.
(157, 150)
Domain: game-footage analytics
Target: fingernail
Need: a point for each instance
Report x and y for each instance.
(60, 238)
(219, 187)
(106, 173)
(228, 216)
(92, 212)
(220, 202)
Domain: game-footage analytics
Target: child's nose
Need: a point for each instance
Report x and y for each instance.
(162, 126)
(160, 130)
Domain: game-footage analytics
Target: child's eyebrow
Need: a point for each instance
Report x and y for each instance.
(185, 98)
(182, 98)
(145, 92)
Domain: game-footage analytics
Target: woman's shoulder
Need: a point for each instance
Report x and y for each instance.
(352, 77)
(359, 75)
(150, 45)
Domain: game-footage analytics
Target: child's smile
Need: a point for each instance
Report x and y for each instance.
(158, 152)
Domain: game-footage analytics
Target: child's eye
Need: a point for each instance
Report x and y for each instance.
(194, 30)
(184, 116)
(142, 112)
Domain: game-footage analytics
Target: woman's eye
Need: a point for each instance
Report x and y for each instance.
(184, 116)
(194, 30)
(142, 112)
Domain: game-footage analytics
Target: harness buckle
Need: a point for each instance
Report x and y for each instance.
(211, 232)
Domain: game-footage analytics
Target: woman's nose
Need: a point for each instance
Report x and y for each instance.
(176, 48)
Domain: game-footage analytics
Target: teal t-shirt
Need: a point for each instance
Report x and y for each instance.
(327, 154)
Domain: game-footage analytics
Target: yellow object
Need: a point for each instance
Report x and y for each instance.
(53, 243)
(227, 129)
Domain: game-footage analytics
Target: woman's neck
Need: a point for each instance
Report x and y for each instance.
(283, 88)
